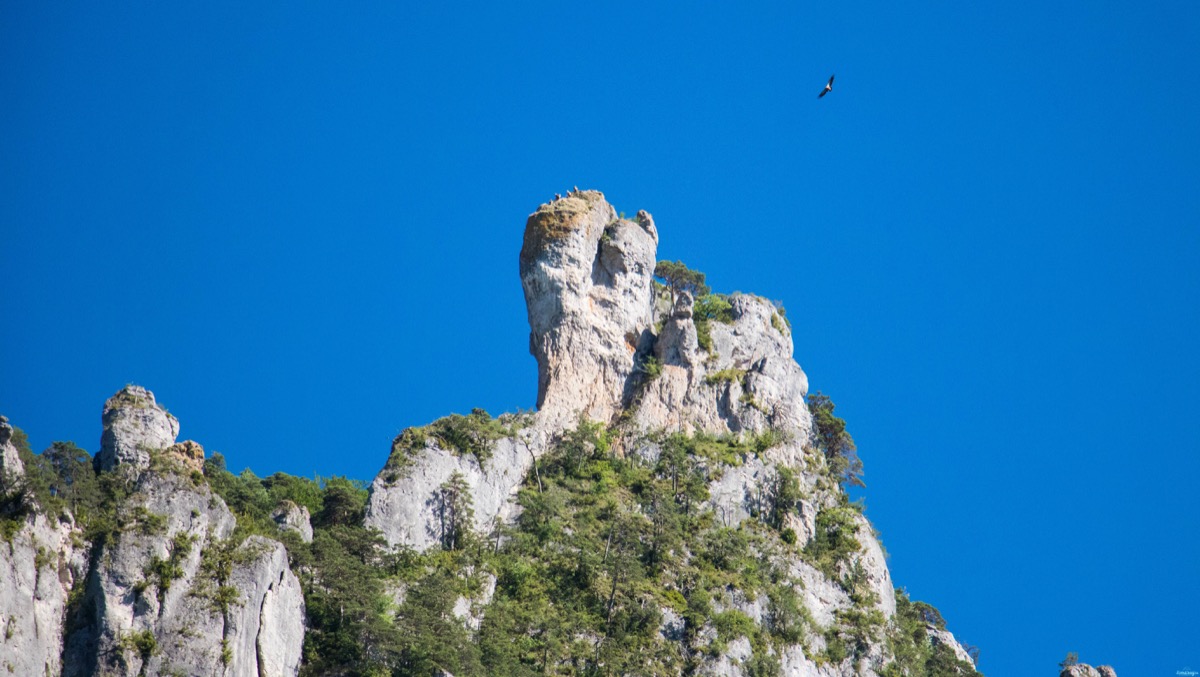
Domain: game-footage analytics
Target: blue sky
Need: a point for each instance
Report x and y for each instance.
(298, 224)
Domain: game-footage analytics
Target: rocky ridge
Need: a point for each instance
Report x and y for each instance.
(175, 588)
(597, 319)
(1085, 670)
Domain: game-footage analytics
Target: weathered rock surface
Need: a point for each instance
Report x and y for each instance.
(748, 382)
(168, 521)
(587, 278)
(406, 509)
(38, 566)
(188, 454)
(292, 517)
(169, 592)
(134, 426)
(595, 319)
(1085, 670)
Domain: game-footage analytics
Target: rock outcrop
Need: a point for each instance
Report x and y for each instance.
(170, 591)
(587, 277)
(404, 504)
(1085, 670)
(39, 564)
(292, 517)
(174, 587)
(612, 347)
(134, 426)
(166, 589)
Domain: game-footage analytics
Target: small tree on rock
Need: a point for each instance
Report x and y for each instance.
(833, 440)
(678, 278)
(455, 512)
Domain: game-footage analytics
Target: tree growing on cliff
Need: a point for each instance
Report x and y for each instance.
(455, 513)
(679, 278)
(834, 442)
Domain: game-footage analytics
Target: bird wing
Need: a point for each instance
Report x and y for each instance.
(830, 85)
(823, 92)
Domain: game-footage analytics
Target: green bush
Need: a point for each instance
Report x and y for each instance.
(834, 442)
(834, 541)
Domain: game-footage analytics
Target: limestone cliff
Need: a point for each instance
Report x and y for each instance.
(163, 589)
(612, 347)
(1085, 670)
(668, 509)
(39, 565)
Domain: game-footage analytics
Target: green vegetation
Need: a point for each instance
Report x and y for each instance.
(708, 309)
(914, 653)
(677, 277)
(140, 642)
(161, 572)
(834, 442)
(725, 376)
(834, 542)
(650, 367)
(474, 434)
(606, 544)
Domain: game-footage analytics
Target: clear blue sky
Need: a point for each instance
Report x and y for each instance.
(298, 224)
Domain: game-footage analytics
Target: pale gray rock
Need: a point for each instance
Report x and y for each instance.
(155, 599)
(11, 467)
(165, 519)
(405, 509)
(671, 626)
(939, 636)
(266, 631)
(259, 632)
(291, 517)
(470, 610)
(729, 663)
(748, 382)
(873, 561)
(38, 566)
(595, 321)
(587, 278)
(1085, 670)
(134, 426)
(795, 663)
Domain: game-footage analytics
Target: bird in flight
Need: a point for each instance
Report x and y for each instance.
(828, 87)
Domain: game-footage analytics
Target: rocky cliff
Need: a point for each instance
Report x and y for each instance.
(613, 347)
(163, 588)
(670, 508)
(1085, 670)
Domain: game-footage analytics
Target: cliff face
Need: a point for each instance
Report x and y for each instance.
(38, 567)
(666, 510)
(612, 347)
(164, 589)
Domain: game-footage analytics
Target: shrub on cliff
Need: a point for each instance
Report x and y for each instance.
(834, 442)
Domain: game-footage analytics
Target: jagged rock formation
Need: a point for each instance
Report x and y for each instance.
(748, 381)
(292, 517)
(38, 567)
(166, 590)
(627, 373)
(134, 425)
(1085, 670)
(588, 278)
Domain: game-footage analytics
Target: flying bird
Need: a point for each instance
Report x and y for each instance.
(828, 87)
